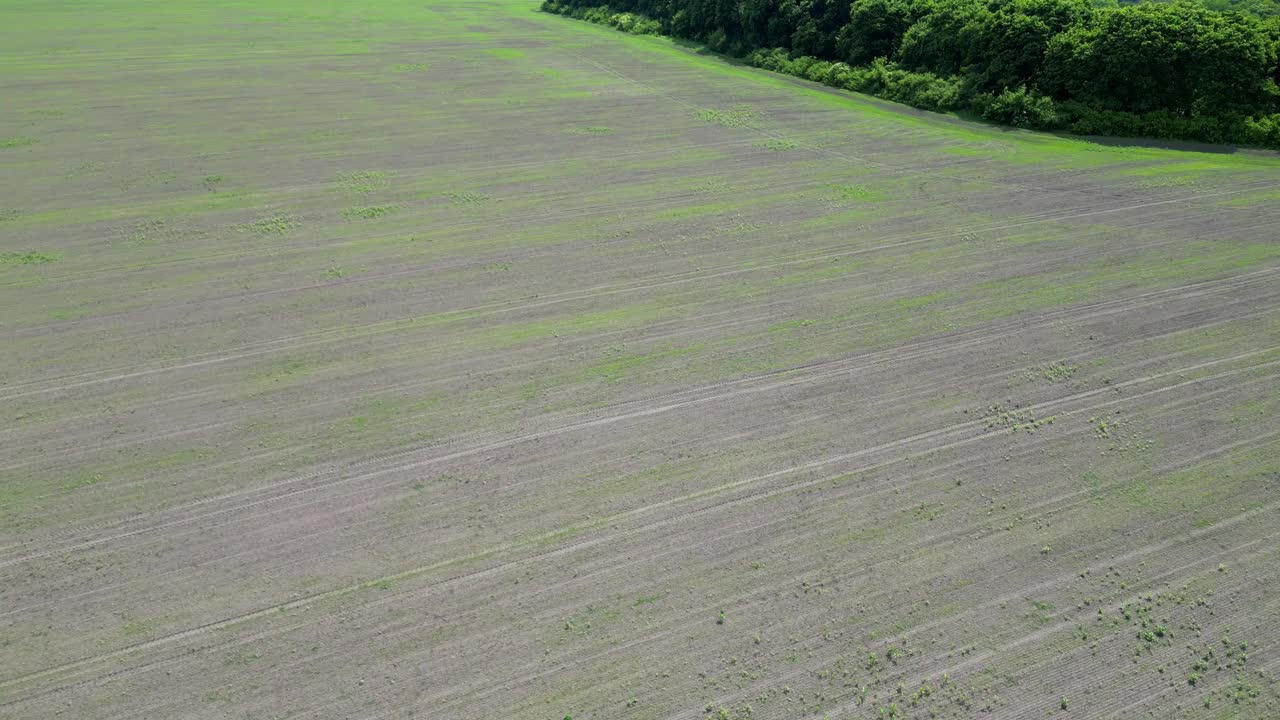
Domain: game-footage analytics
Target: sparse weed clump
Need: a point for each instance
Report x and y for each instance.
(466, 198)
(779, 144)
(1014, 419)
(1119, 434)
(742, 712)
(1101, 428)
(738, 116)
(363, 182)
(1060, 371)
(28, 257)
(372, 212)
(278, 225)
(851, 193)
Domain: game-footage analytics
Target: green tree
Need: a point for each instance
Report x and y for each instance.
(1178, 58)
(1008, 49)
(874, 30)
(943, 40)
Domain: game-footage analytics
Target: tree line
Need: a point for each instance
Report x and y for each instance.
(1261, 8)
(1157, 69)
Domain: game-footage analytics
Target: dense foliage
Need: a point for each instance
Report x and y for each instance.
(1157, 69)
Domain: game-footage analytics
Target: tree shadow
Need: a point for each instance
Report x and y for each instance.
(700, 49)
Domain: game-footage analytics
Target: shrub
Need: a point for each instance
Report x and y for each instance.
(1019, 108)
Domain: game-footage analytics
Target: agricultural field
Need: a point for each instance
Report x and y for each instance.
(453, 360)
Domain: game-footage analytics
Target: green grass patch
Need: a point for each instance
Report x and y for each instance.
(615, 319)
(1194, 489)
(506, 53)
(618, 367)
(284, 372)
(919, 301)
